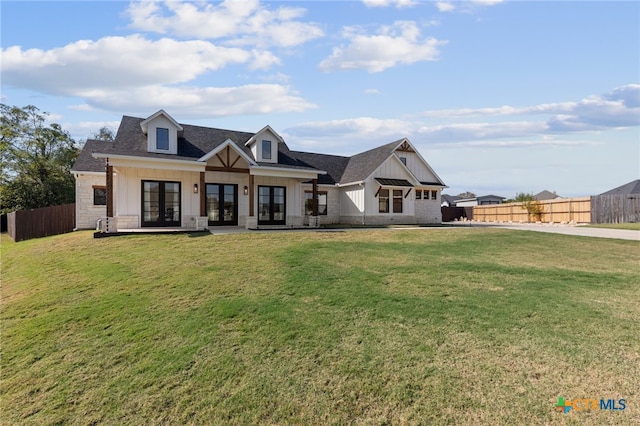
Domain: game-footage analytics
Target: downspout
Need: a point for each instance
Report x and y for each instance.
(364, 200)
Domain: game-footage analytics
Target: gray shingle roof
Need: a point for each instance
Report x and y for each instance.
(362, 165)
(632, 187)
(196, 141)
(545, 195)
(334, 165)
(85, 161)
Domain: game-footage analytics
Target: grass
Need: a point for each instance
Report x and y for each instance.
(424, 326)
(630, 226)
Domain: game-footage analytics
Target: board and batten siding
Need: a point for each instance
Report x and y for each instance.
(417, 167)
(128, 193)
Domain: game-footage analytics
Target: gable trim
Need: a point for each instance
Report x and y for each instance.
(144, 124)
(253, 138)
(221, 147)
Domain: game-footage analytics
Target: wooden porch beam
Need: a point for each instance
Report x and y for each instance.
(109, 171)
(314, 202)
(226, 169)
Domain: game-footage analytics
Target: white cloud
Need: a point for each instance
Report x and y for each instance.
(372, 92)
(124, 73)
(198, 102)
(618, 109)
(115, 62)
(244, 22)
(444, 6)
(385, 3)
(399, 43)
(465, 6)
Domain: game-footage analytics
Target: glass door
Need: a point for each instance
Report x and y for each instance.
(160, 203)
(271, 205)
(222, 204)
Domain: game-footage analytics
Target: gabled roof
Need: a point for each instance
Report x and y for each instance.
(632, 187)
(252, 139)
(145, 122)
(195, 142)
(545, 195)
(86, 162)
(361, 165)
(334, 165)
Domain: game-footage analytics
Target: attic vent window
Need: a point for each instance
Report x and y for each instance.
(404, 160)
(266, 150)
(162, 139)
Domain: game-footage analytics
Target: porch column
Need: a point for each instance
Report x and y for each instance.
(251, 203)
(109, 189)
(314, 202)
(203, 196)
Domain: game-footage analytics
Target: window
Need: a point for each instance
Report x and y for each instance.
(418, 194)
(99, 195)
(434, 195)
(308, 203)
(161, 203)
(397, 200)
(404, 160)
(271, 205)
(383, 201)
(266, 150)
(162, 138)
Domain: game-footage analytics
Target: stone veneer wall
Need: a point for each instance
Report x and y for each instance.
(87, 214)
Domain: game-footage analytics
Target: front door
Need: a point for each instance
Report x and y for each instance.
(222, 204)
(271, 205)
(160, 203)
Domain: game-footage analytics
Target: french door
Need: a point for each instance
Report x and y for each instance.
(160, 203)
(271, 205)
(222, 204)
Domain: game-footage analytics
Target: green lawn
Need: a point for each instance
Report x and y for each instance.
(426, 326)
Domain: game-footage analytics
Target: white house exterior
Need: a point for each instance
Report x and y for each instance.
(159, 173)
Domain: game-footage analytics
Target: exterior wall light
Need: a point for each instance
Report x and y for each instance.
(195, 188)
(246, 190)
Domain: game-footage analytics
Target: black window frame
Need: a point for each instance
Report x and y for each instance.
(308, 207)
(384, 198)
(418, 194)
(162, 213)
(434, 195)
(158, 132)
(266, 151)
(271, 220)
(97, 198)
(397, 195)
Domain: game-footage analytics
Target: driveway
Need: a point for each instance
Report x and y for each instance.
(583, 231)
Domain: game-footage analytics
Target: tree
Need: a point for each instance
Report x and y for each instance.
(530, 204)
(36, 159)
(104, 134)
(467, 194)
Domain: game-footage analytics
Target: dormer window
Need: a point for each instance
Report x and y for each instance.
(162, 138)
(266, 150)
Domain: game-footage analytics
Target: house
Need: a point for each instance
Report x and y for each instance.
(480, 201)
(161, 173)
(546, 195)
(632, 187)
(449, 200)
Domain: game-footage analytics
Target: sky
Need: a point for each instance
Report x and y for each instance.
(499, 97)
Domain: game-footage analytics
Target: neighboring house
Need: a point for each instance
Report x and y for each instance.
(449, 200)
(480, 201)
(632, 187)
(546, 195)
(160, 173)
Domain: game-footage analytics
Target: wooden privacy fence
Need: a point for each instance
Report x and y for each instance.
(616, 208)
(567, 210)
(26, 224)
